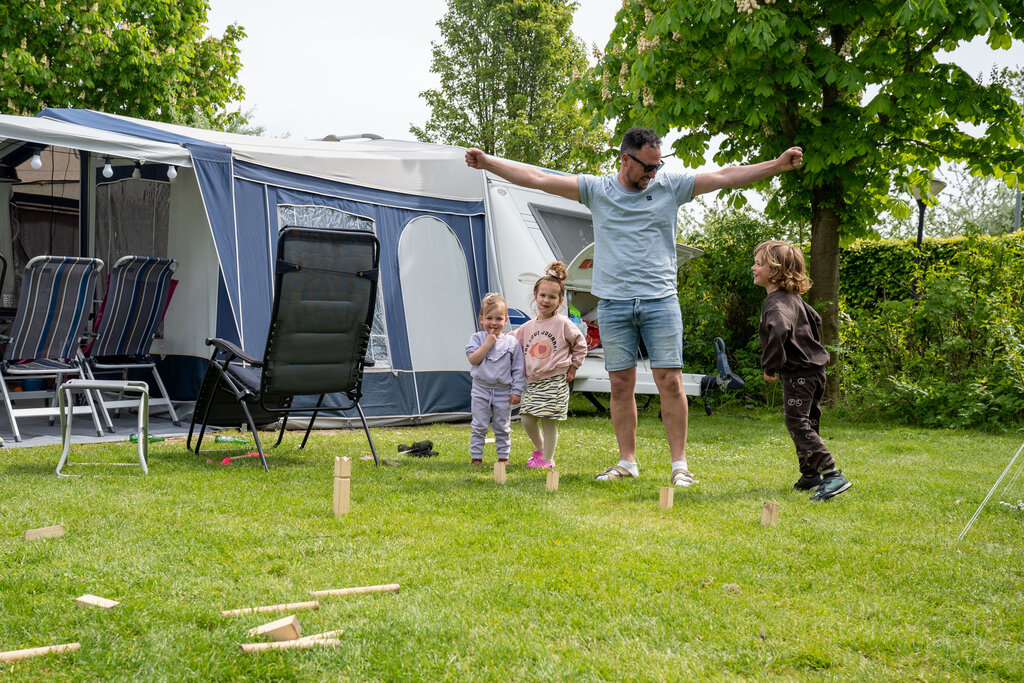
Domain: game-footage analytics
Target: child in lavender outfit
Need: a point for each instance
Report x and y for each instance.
(498, 379)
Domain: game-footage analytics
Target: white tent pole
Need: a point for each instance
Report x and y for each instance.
(994, 487)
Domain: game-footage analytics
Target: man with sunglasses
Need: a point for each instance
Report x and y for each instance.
(634, 213)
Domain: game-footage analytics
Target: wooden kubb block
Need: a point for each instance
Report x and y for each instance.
(343, 467)
(667, 495)
(499, 472)
(287, 628)
(45, 532)
(96, 601)
(552, 483)
(769, 514)
(342, 485)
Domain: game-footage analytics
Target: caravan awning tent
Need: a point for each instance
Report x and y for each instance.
(234, 193)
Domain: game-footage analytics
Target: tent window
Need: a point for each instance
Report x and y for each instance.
(132, 219)
(437, 295)
(41, 213)
(335, 219)
(567, 232)
(41, 225)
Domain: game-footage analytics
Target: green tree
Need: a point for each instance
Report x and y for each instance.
(971, 204)
(857, 84)
(505, 66)
(143, 58)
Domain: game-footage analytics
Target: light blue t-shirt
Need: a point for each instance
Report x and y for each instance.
(635, 234)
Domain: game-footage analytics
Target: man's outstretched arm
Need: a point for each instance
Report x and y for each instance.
(741, 176)
(528, 176)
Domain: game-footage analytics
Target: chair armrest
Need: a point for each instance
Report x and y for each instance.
(232, 350)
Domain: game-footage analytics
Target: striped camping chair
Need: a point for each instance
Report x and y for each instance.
(55, 301)
(134, 305)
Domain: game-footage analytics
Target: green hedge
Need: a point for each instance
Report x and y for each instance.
(938, 345)
(883, 270)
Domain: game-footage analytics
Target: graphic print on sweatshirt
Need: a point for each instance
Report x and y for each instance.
(541, 345)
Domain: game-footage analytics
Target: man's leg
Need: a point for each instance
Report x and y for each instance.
(623, 408)
(661, 326)
(675, 410)
(621, 338)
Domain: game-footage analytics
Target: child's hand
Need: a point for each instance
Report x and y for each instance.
(570, 375)
(771, 378)
(514, 399)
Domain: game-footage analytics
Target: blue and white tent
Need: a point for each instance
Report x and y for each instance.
(223, 210)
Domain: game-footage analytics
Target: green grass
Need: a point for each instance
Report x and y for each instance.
(592, 582)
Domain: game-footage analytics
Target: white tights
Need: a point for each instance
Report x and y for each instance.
(543, 433)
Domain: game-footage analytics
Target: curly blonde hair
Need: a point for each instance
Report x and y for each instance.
(786, 266)
(557, 273)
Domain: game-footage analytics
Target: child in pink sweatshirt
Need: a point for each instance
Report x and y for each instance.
(553, 349)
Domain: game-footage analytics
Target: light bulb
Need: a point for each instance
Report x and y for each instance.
(137, 173)
(172, 173)
(108, 171)
(37, 161)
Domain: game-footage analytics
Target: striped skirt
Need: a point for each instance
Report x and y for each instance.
(548, 398)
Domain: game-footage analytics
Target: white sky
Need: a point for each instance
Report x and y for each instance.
(315, 67)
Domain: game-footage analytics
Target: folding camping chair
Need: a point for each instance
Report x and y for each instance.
(56, 297)
(134, 305)
(325, 289)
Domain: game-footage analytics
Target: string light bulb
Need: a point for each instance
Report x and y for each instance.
(108, 170)
(37, 161)
(137, 173)
(172, 173)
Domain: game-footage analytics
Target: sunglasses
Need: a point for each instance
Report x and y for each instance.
(647, 167)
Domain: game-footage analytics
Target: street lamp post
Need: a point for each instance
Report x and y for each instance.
(937, 185)
(1016, 212)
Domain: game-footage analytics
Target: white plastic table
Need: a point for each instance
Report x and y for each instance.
(64, 399)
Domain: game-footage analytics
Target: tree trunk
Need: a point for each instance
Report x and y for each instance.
(824, 294)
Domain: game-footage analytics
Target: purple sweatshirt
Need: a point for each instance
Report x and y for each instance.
(503, 364)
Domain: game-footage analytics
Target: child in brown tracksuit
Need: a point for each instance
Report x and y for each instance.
(791, 348)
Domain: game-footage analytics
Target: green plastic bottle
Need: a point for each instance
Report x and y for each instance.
(230, 439)
(134, 438)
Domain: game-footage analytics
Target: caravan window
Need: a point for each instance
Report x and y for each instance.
(567, 232)
(335, 219)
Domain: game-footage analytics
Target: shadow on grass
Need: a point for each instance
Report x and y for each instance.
(179, 456)
(31, 468)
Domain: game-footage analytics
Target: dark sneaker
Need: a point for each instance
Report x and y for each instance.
(807, 482)
(832, 484)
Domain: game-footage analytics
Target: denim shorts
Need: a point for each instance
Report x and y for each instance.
(622, 322)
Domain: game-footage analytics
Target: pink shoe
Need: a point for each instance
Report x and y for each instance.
(545, 465)
(535, 460)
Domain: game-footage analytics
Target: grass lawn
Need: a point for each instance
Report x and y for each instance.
(592, 582)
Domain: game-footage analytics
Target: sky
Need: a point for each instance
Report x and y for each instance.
(316, 67)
